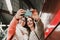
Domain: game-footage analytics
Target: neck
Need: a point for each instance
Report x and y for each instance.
(32, 28)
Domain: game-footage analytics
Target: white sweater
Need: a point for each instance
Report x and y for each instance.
(19, 31)
(33, 36)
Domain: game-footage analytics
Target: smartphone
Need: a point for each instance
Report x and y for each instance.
(28, 13)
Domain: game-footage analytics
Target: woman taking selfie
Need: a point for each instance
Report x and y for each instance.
(17, 29)
(36, 30)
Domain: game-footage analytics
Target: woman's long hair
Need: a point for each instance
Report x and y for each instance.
(25, 26)
(29, 30)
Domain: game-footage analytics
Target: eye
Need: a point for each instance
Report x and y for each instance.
(23, 20)
(29, 21)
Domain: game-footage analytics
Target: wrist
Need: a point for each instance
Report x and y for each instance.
(16, 18)
(37, 19)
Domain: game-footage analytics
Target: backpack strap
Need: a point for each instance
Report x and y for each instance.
(36, 35)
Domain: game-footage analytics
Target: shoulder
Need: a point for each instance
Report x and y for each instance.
(25, 30)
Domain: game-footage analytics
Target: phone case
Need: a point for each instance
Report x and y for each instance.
(28, 13)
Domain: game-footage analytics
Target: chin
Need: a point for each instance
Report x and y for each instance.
(30, 26)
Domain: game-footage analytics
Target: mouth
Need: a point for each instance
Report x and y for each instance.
(30, 24)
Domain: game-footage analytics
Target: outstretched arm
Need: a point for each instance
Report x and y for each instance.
(13, 23)
(40, 28)
(11, 28)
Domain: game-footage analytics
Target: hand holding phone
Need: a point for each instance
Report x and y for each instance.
(28, 13)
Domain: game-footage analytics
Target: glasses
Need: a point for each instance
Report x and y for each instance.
(23, 19)
(29, 20)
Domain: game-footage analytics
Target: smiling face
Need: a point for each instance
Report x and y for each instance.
(30, 22)
(22, 21)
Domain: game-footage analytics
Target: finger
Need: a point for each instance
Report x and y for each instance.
(31, 9)
(20, 17)
(21, 11)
